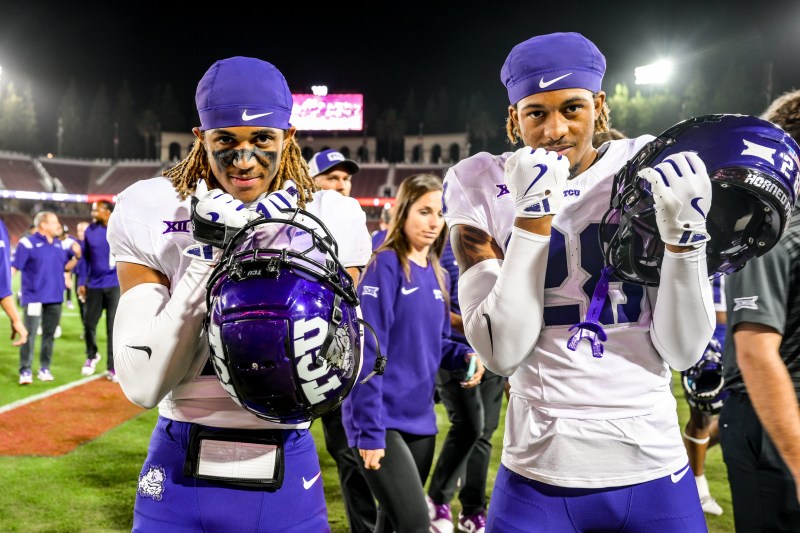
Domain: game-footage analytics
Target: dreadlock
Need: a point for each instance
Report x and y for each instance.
(601, 125)
(195, 165)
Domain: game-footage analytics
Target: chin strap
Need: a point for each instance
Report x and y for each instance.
(380, 359)
(590, 328)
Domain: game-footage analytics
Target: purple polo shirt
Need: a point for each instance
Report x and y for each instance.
(5, 262)
(42, 266)
(101, 270)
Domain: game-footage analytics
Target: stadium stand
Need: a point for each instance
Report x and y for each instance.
(402, 171)
(370, 180)
(75, 176)
(18, 173)
(124, 174)
(17, 224)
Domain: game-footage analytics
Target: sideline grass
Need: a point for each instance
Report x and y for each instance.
(92, 489)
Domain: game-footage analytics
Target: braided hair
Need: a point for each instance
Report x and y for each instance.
(601, 124)
(195, 165)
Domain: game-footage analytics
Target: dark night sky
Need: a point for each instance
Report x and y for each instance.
(425, 46)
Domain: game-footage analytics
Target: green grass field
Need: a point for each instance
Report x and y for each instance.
(93, 488)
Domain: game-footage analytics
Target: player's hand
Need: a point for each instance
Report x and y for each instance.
(536, 179)
(371, 458)
(272, 205)
(682, 195)
(82, 293)
(217, 206)
(216, 215)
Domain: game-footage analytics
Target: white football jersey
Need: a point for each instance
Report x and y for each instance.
(574, 419)
(151, 226)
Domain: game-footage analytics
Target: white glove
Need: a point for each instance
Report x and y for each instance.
(536, 179)
(271, 205)
(682, 195)
(216, 215)
(220, 207)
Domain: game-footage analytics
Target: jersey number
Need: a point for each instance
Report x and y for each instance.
(591, 261)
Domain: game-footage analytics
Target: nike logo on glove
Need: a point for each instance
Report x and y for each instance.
(145, 349)
(694, 203)
(248, 118)
(545, 84)
(678, 476)
(307, 484)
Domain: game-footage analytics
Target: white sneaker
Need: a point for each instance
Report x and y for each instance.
(45, 375)
(441, 518)
(89, 365)
(710, 505)
(57, 334)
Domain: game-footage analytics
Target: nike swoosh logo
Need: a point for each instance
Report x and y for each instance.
(248, 118)
(145, 349)
(408, 291)
(489, 327)
(677, 477)
(545, 84)
(694, 203)
(307, 484)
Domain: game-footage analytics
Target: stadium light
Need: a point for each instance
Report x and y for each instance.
(654, 73)
(319, 90)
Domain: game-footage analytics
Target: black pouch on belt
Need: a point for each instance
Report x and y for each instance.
(240, 458)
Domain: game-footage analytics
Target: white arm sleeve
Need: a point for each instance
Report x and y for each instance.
(683, 315)
(156, 335)
(502, 302)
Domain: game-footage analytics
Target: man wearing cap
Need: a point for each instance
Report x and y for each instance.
(331, 170)
(212, 465)
(592, 439)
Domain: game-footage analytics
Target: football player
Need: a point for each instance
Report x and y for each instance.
(591, 423)
(208, 453)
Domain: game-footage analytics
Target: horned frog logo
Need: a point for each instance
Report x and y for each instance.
(340, 354)
(151, 484)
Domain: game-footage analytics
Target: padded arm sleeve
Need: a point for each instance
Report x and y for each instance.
(683, 315)
(502, 302)
(156, 335)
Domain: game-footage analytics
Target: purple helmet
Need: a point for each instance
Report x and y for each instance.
(282, 320)
(753, 165)
(702, 383)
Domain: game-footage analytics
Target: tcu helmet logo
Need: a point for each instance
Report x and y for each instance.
(308, 338)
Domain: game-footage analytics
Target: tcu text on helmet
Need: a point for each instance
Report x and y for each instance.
(308, 338)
